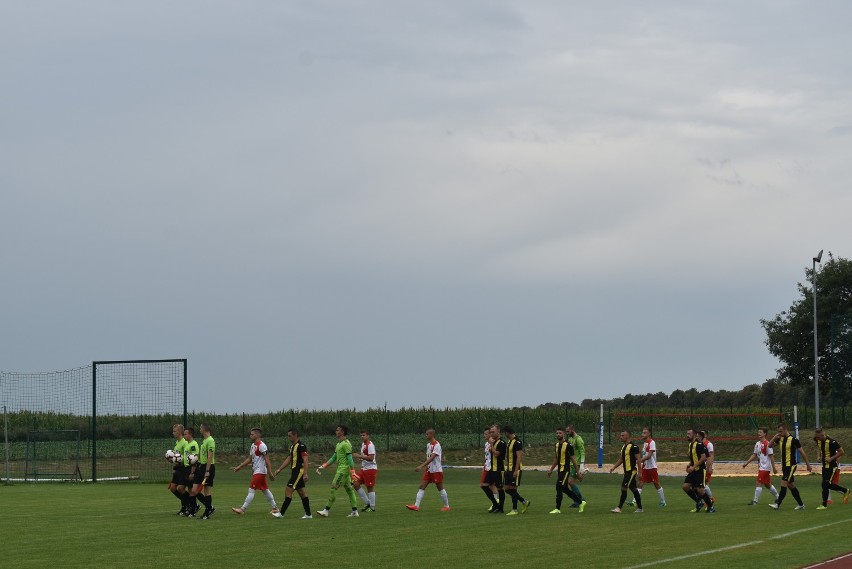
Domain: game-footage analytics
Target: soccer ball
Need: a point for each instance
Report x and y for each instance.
(177, 458)
(192, 459)
(170, 455)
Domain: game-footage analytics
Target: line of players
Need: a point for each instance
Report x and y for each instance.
(502, 470)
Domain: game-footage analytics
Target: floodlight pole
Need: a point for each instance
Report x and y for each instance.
(817, 424)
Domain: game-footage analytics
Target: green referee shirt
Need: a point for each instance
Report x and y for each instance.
(208, 445)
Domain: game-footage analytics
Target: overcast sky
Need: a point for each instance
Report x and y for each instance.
(478, 202)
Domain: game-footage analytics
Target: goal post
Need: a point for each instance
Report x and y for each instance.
(123, 409)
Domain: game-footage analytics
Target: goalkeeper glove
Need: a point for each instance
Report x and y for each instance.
(355, 478)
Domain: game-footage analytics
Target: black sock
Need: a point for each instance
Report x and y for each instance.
(796, 496)
(514, 495)
(707, 500)
(622, 499)
(488, 493)
(177, 494)
(781, 494)
(638, 498)
(286, 504)
(570, 493)
(502, 494)
(306, 503)
(559, 493)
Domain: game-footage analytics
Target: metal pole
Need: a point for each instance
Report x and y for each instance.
(817, 424)
(6, 437)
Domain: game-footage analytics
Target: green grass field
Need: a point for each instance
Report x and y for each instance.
(134, 525)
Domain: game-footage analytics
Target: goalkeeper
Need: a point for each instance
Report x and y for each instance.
(576, 475)
(345, 472)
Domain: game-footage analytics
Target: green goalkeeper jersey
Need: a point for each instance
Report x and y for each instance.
(342, 456)
(579, 448)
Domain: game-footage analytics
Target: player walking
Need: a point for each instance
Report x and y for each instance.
(433, 473)
(178, 484)
(259, 459)
(514, 470)
(764, 455)
(492, 494)
(629, 457)
(693, 484)
(563, 459)
(367, 474)
(297, 459)
(345, 473)
(788, 445)
(830, 452)
(206, 473)
(577, 473)
(648, 466)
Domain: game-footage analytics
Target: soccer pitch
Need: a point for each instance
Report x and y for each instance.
(134, 525)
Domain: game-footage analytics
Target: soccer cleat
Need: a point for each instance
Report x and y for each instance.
(208, 513)
(631, 503)
(821, 507)
(415, 508)
(752, 503)
(367, 508)
(698, 507)
(180, 512)
(276, 514)
(800, 507)
(662, 504)
(497, 511)
(307, 517)
(581, 507)
(353, 514)
(773, 505)
(616, 510)
(490, 508)
(830, 501)
(711, 510)
(846, 495)
(445, 508)
(323, 512)
(556, 511)
(638, 511)
(238, 511)
(513, 513)
(575, 505)
(526, 507)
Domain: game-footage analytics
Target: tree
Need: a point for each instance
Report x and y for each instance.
(789, 336)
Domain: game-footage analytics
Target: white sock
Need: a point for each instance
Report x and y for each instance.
(444, 498)
(757, 492)
(661, 494)
(270, 498)
(707, 491)
(363, 495)
(497, 497)
(249, 498)
(773, 491)
(640, 491)
(372, 496)
(420, 494)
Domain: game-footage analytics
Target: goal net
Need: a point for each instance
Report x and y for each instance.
(124, 411)
(53, 456)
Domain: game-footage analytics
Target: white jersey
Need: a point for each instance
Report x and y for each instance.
(368, 448)
(258, 454)
(763, 452)
(433, 449)
(487, 456)
(649, 447)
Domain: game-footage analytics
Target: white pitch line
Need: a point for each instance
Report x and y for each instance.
(737, 546)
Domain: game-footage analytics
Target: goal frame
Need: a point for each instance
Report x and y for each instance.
(31, 458)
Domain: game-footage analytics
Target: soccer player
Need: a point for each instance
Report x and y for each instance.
(345, 473)
(629, 457)
(648, 466)
(433, 472)
(297, 459)
(563, 459)
(496, 474)
(830, 452)
(202, 488)
(576, 474)
(693, 484)
(190, 502)
(711, 456)
(788, 444)
(492, 494)
(259, 459)
(368, 472)
(178, 484)
(514, 469)
(764, 455)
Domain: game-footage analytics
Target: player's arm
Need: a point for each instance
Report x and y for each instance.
(771, 456)
(518, 461)
(836, 456)
(209, 463)
(240, 465)
(750, 459)
(805, 456)
(648, 456)
(580, 449)
(327, 463)
(554, 465)
(351, 463)
(285, 464)
(427, 462)
(305, 466)
(369, 457)
(268, 466)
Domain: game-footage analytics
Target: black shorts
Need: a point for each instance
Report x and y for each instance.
(788, 473)
(828, 473)
(564, 475)
(205, 470)
(495, 478)
(297, 479)
(629, 479)
(695, 478)
(180, 475)
(510, 480)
